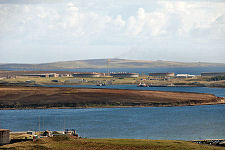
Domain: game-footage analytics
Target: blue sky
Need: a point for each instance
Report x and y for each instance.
(39, 31)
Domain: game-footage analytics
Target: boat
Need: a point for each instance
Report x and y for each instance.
(142, 85)
(101, 84)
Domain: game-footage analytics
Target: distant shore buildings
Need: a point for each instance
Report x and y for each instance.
(204, 74)
(159, 75)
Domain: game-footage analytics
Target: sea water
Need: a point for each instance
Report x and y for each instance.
(172, 123)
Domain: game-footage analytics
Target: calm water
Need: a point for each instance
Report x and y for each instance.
(220, 92)
(184, 123)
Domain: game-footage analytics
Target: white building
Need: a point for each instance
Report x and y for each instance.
(184, 76)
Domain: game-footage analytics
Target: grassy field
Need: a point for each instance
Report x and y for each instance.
(70, 143)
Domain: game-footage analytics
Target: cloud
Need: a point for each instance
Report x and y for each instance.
(75, 23)
(171, 18)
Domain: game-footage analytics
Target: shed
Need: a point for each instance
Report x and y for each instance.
(4, 136)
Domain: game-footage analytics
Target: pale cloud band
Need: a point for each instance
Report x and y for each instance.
(100, 28)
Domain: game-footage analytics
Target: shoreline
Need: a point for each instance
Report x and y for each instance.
(18, 97)
(60, 84)
(99, 107)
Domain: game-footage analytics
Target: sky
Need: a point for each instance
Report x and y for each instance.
(40, 31)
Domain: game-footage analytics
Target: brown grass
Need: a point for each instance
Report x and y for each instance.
(107, 144)
(46, 97)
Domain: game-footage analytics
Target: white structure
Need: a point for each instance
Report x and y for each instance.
(184, 76)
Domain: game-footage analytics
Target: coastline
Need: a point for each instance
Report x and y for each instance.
(16, 78)
(18, 97)
(69, 142)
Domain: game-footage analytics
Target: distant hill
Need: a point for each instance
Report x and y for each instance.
(113, 63)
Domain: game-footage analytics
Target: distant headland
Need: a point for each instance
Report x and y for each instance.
(112, 63)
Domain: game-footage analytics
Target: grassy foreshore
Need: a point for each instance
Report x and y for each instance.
(18, 97)
(66, 142)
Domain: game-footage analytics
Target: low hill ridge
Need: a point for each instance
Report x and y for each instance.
(113, 63)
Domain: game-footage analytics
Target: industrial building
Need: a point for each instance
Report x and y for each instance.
(4, 136)
(124, 75)
(162, 75)
(45, 75)
(213, 74)
(87, 75)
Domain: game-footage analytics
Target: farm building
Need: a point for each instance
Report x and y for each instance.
(4, 136)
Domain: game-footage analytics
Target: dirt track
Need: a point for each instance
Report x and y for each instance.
(12, 97)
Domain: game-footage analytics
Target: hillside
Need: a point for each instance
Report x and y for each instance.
(65, 142)
(113, 63)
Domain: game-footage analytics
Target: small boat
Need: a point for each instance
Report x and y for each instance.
(101, 84)
(142, 85)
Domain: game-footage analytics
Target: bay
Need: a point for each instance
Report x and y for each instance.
(172, 123)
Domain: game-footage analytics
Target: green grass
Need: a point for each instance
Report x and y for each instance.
(58, 143)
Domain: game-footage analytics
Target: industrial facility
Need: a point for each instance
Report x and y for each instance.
(124, 75)
(45, 75)
(87, 75)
